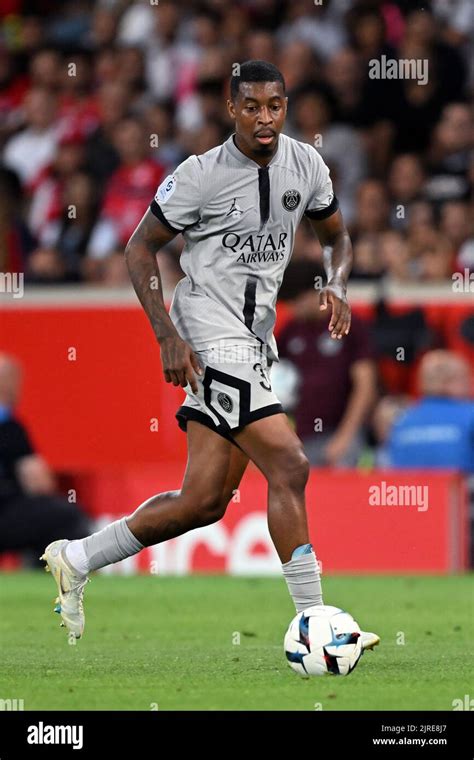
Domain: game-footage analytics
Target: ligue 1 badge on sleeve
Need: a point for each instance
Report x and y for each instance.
(166, 189)
(291, 199)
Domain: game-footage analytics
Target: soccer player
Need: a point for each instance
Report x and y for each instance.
(237, 207)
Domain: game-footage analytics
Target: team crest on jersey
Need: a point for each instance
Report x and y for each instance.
(291, 200)
(225, 401)
(166, 189)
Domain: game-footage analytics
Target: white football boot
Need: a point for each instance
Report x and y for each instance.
(69, 603)
(369, 640)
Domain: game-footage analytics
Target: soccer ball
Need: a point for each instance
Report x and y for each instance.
(323, 639)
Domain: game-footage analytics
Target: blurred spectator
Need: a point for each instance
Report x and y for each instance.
(438, 431)
(46, 267)
(170, 62)
(345, 75)
(103, 28)
(406, 180)
(13, 88)
(395, 256)
(299, 67)
(420, 216)
(367, 264)
(102, 158)
(457, 27)
(47, 187)
(78, 108)
(415, 108)
(205, 101)
(67, 235)
(131, 73)
(372, 209)
(31, 512)
(16, 240)
(128, 190)
(400, 338)
(45, 69)
(319, 27)
(136, 24)
(457, 223)
(260, 45)
(336, 378)
(159, 120)
(386, 413)
(367, 33)
(432, 255)
(34, 147)
(339, 144)
(452, 143)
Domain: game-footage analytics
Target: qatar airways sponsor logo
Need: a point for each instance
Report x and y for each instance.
(255, 249)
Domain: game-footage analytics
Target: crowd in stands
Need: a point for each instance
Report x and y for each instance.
(99, 100)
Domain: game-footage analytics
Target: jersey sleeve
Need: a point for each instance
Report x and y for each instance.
(178, 199)
(322, 200)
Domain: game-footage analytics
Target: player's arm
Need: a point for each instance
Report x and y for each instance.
(178, 359)
(334, 238)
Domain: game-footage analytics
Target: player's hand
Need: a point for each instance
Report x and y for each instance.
(335, 295)
(179, 362)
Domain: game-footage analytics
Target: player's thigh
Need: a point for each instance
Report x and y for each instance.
(214, 468)
(237, 466)
(273, 446)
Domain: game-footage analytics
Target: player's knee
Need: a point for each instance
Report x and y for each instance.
(291, 470)
(211, 509)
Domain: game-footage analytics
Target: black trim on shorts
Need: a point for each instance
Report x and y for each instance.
(323, 213)
(155, 208)
(186, 413)
(259, 414)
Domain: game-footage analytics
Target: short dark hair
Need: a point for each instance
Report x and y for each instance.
(255, 71)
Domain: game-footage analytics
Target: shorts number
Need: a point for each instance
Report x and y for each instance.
(266, 382)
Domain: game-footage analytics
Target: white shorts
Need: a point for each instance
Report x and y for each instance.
(234, 389)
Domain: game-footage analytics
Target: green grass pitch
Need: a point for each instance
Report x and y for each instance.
(172, 644)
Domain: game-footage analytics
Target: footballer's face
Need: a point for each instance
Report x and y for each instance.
(259, 112)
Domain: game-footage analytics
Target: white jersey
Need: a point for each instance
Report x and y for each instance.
(238, 222)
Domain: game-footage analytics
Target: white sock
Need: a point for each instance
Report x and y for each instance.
(109, 545)
(303, 578)
(76, 555)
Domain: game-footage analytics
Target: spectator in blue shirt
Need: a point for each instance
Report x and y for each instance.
(438, 431)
